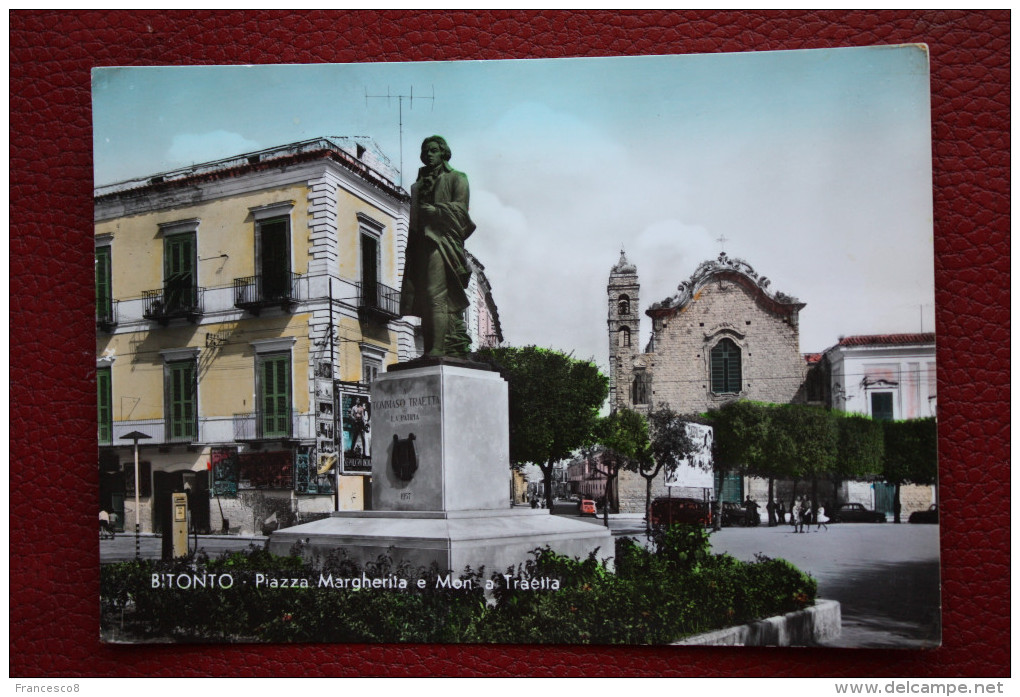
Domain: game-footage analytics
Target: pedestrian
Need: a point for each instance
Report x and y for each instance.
(104, 525)
(821, 519)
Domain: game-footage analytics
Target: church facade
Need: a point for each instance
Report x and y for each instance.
(725, 335)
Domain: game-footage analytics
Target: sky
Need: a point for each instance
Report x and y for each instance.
(812, 166)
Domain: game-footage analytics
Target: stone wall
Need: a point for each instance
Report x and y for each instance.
(772, 368)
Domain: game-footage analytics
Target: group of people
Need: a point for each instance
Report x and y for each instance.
(803, 514)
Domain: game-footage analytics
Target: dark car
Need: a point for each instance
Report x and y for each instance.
(734, 514)
(929, 516)
(667, 511)
(856, 513)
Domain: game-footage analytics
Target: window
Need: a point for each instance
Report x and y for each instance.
(882, 406)
(624, 305)
(369, 371)
(179, 286)
(624, 337)
(181, 401)
(273, 240)
(104, 399)
(725, 367)
(640, 388)
(274, 395)
(104, 285)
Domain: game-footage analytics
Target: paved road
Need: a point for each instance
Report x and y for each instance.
(122, 547)
(885, 576)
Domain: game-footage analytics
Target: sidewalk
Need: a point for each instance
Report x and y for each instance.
(150, 546)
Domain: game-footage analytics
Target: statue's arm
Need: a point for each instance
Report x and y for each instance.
(453, 214)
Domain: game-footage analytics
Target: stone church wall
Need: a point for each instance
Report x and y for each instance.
(771, 364)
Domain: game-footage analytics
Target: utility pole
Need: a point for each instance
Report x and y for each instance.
(400, 115)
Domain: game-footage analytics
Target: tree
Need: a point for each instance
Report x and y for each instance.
(742, 440)
(911, 455)
(671, 442)
(803, 441)
(861, 450)
(623, 436)
(554, 404)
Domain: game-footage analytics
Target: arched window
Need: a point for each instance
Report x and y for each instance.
(624, 305)
(640, 388)
(725, 367)
(624, 337)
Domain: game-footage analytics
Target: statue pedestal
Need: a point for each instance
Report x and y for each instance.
(441, 482)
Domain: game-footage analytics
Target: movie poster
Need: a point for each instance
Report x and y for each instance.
(356, 416)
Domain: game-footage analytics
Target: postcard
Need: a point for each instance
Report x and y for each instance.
(633, 350)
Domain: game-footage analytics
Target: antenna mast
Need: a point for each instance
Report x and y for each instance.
(400, 113)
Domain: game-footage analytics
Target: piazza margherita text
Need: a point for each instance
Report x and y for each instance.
(226, 581)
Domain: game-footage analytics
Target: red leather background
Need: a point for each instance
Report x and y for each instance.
(53, 546)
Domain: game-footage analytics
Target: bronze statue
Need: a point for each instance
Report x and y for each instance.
(436, 273)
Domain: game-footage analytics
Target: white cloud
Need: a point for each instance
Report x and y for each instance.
(189, 148)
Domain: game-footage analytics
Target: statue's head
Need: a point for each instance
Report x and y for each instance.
(444, 149)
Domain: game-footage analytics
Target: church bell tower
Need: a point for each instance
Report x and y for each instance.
(624, 325)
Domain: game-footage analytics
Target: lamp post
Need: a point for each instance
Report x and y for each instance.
(137, 436)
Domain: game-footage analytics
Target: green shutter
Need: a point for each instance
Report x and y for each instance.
(275, 394)
(104, 290)
(179, 272)
(182, 400)
(725, 367)
(104, 399)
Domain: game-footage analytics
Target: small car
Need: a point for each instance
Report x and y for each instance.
(856, 513)
(929, 516)
(587, 507)
(733, 514)
(667, 511)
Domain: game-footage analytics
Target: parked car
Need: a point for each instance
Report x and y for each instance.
(733, 514)
(587, 507)
(929, 516)
(856, 513)
(666, 511)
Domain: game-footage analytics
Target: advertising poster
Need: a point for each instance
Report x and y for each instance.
(356, 415)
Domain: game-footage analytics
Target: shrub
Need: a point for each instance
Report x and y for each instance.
(653, 597)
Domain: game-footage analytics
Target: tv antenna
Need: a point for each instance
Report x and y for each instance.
(400, 112)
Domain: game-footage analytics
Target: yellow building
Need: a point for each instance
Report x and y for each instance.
(243, 307)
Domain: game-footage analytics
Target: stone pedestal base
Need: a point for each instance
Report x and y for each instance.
(441, 482)
(454, 540)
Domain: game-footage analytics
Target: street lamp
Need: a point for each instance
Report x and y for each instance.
(137, 436)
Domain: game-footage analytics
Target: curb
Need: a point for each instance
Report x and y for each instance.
(808, 627)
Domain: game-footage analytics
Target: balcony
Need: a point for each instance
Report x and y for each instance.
(161, 431)
(378, 301)
(173, 300)
(252, 293)
(106, 315)
(258, 426)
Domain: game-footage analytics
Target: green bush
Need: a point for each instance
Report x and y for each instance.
(652, 597)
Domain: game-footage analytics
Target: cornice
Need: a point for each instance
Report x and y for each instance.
(728, 269)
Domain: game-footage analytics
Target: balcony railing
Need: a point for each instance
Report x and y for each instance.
(252, 293)
(173, 300)
(378, 300)
(260, 426)
(106, 315)
(160, 431)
